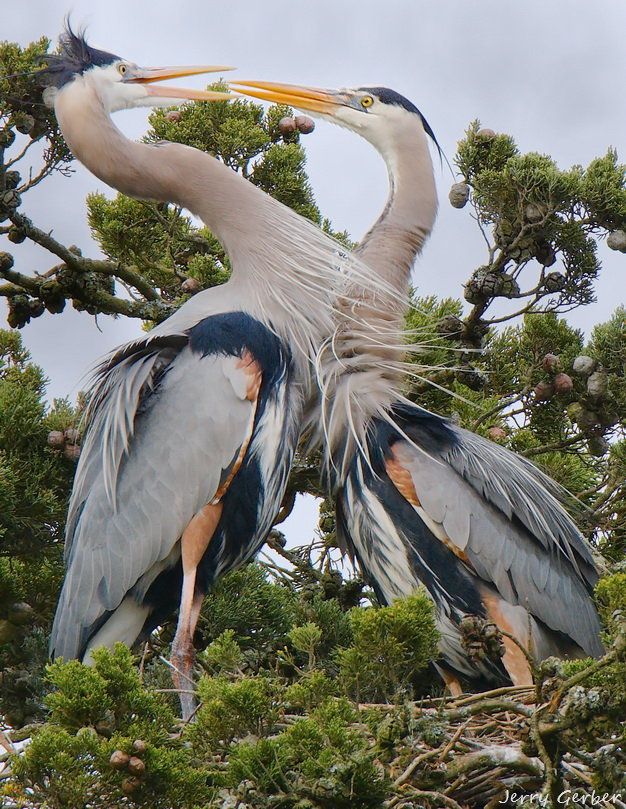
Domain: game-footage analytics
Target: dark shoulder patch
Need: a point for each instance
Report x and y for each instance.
(229, 333)
(432, 433)
(167, 344)
(427, 429)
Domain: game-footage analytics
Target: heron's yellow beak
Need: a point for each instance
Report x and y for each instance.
(148, 75)
(312, 99)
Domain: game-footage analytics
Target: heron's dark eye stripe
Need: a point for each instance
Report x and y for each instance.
(387, 96)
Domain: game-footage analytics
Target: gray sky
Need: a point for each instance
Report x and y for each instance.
(549, 72)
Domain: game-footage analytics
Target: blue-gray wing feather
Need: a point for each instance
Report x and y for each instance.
(186, 416)
(502, 513)
(517, 487)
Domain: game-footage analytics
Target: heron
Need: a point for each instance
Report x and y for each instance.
(423, 501)
(191, 429)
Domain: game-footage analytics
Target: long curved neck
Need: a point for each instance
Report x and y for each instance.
(399, 234)
(365, 368)
(167, 172)
(284, 269)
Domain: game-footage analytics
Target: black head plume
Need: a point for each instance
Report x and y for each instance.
(74, 57)
(387, 96)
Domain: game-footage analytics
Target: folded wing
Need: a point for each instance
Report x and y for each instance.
(168, 424)
(499, 514)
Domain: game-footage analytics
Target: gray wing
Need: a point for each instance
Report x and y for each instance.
(120, 384)
(518, 488)
(185, 417)
(500, 516)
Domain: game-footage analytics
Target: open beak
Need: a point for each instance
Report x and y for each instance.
(311, 99)
(148, 75)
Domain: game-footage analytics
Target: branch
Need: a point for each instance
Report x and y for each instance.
(554, 447)
(508, 400)
(80, 264)
(614, 654)
(46, 171)
(408, 772)
(110, 305)
(487, 706)
(8, 290)
(17, 278)
(19, 155)
(129, 276)
(496, 692)
(107, 304)
(495, 756)
(438, 798)
(552, 777)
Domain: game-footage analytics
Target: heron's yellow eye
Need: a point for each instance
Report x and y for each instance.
(367, 101)
(122, 69)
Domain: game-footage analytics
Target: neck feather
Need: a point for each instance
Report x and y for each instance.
(363, 372)
(165, 172)
(286, 272)
(391, 245)
(400, 232)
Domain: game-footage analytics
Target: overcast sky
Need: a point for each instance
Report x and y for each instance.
(549, 72)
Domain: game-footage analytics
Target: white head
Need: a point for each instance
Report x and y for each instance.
(376, 113)
(118, 83)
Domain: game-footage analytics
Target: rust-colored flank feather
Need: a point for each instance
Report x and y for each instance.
(401, 479)
(514, 659)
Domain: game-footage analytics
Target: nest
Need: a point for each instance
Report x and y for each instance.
(487, 757)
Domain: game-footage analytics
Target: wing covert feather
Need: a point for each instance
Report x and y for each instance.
(538, 572)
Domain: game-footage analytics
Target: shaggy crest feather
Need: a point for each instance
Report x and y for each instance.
(74, 56)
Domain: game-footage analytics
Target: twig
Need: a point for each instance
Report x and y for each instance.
(173, 667)
(81, 264)
(475, 786)
(554, 447)
(498, 756)
(496, 692)
(452, 742)
(173, 691)
(408, 772)
(142, 663)
(508, 400)
(438, 798)
(610, 657)
(487, 706)
(551, 775)
(578, 773)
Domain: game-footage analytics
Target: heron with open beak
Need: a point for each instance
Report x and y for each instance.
(192, 427)
(419, 499)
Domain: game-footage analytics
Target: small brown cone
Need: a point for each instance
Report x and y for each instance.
(563, 383)
(544, 391)
(136, 766)
(119, 759)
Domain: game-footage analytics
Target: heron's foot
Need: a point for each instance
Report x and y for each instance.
(182, 660)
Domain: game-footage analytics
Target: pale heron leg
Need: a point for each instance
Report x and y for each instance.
(452, 682)
(194, 542)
